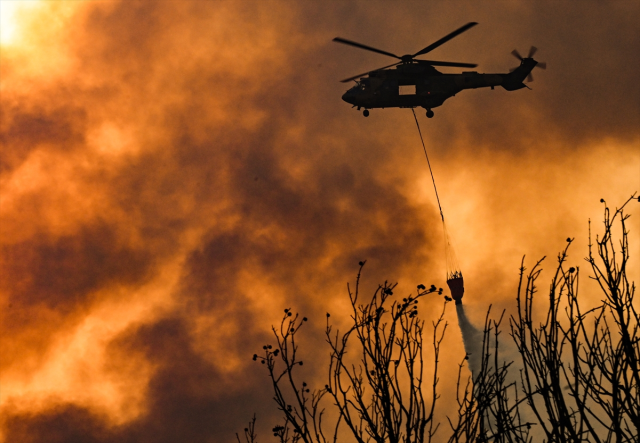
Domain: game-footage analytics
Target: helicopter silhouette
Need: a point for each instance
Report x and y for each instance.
(416, 83)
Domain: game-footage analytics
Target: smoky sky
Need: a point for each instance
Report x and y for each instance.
(175, 173)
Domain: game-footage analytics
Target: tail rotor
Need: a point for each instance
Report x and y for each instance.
(532, 51)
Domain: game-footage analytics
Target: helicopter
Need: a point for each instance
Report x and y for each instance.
(417, 83)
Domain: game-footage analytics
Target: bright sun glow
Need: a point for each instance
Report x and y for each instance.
(12, 12)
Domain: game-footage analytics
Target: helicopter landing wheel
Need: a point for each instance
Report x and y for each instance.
(429, 113)
(365, 113)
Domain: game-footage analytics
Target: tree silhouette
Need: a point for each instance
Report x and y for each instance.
(381, 397)
(580, 367)
(577, 376)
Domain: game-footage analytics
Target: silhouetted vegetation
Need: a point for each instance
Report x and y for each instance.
(577, 378)
(580, 367)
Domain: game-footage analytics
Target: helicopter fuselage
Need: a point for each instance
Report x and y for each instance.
(413, 85)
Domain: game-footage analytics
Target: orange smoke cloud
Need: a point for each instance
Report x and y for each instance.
(174, 174)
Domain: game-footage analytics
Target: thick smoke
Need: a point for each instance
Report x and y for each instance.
(174, 174)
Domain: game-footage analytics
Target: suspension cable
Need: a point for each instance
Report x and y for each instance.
(429, 163)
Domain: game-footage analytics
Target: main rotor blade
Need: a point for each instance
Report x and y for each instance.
(366, 73)
(361, 46)
(542, 65)
(532, 51)
(529, 78)
(454, 64)
(445, 39)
